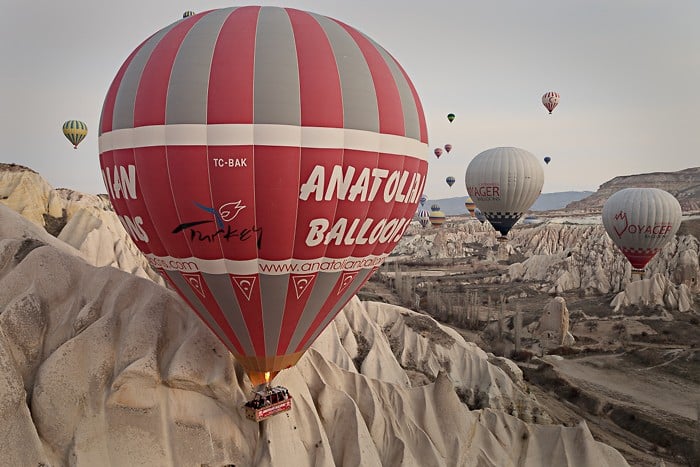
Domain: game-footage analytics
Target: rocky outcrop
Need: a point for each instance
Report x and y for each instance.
(684, 185)
(552, 329)
(657, 290)
(86, 222)
(100, 367)
(582, 257)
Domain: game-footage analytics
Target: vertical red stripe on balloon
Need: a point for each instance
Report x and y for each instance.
(351, 210)
(107, 117)
(391, 118)
(320, 92)
(310, 212)
(230, 98)
(151, 162)
(149, 108)
(277, 182)
(403, 209)
(232, 176)
(189, 181)
(247, 290)
(299, 290)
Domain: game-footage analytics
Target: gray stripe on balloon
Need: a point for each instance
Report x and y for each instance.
(273, 304)
(360, 111)
(125, 100)
(222, 288)
(323, 286)
(408, 102)
(276, 77)
(347, 295)
(185, 289)
(189, 78)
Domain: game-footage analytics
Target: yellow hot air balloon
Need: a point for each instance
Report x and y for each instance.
(75, 131)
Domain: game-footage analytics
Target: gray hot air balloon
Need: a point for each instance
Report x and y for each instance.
(504, 182)
(640, 221)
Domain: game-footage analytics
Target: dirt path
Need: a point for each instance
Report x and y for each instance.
(619, 379)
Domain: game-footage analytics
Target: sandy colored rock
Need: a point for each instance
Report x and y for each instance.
(117, 371)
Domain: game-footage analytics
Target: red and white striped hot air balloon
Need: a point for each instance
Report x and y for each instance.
(264, 178)
(640, 221)
(550, 100)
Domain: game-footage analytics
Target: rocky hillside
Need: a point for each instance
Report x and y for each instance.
(684, 185)
(85, 222)
(100, 367)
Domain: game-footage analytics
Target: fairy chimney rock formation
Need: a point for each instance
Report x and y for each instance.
(553, 326)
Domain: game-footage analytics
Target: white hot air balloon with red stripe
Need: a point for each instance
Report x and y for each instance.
(550, 100)
(262, 175)
(640, 221)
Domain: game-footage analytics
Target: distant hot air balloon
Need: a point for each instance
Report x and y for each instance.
(235, 211)
(547, 159)
(437, 217)
(451, 117)
(450, 180)
(640, 221)
(469, 204)
(448, 147)
(423, 217)
(479, 215)
(550, 100)
(187, 14)
(504, 182)
(75, 131)
(423, 199)
(438, 152)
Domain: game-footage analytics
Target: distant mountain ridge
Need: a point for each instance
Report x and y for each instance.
(684, 185)
(545, 202)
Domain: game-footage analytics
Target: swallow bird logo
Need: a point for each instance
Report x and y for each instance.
(229, 211)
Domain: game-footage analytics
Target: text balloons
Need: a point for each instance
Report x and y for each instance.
(550, 100)
(75, 131)
(504, 182)
(264, 178)
(640, 221)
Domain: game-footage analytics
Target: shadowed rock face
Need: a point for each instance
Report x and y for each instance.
(98, 367)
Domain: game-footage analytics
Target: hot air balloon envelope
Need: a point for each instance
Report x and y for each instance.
(504, 182)
(469, 204)
(235, 148)
(550, 100)
(640, 221)
(450, 180)
(448, 147)
(451, 117)
(75, 131)
(547, 159)
(423, 217)
(438, 152)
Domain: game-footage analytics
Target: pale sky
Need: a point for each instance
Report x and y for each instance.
(627, 72)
